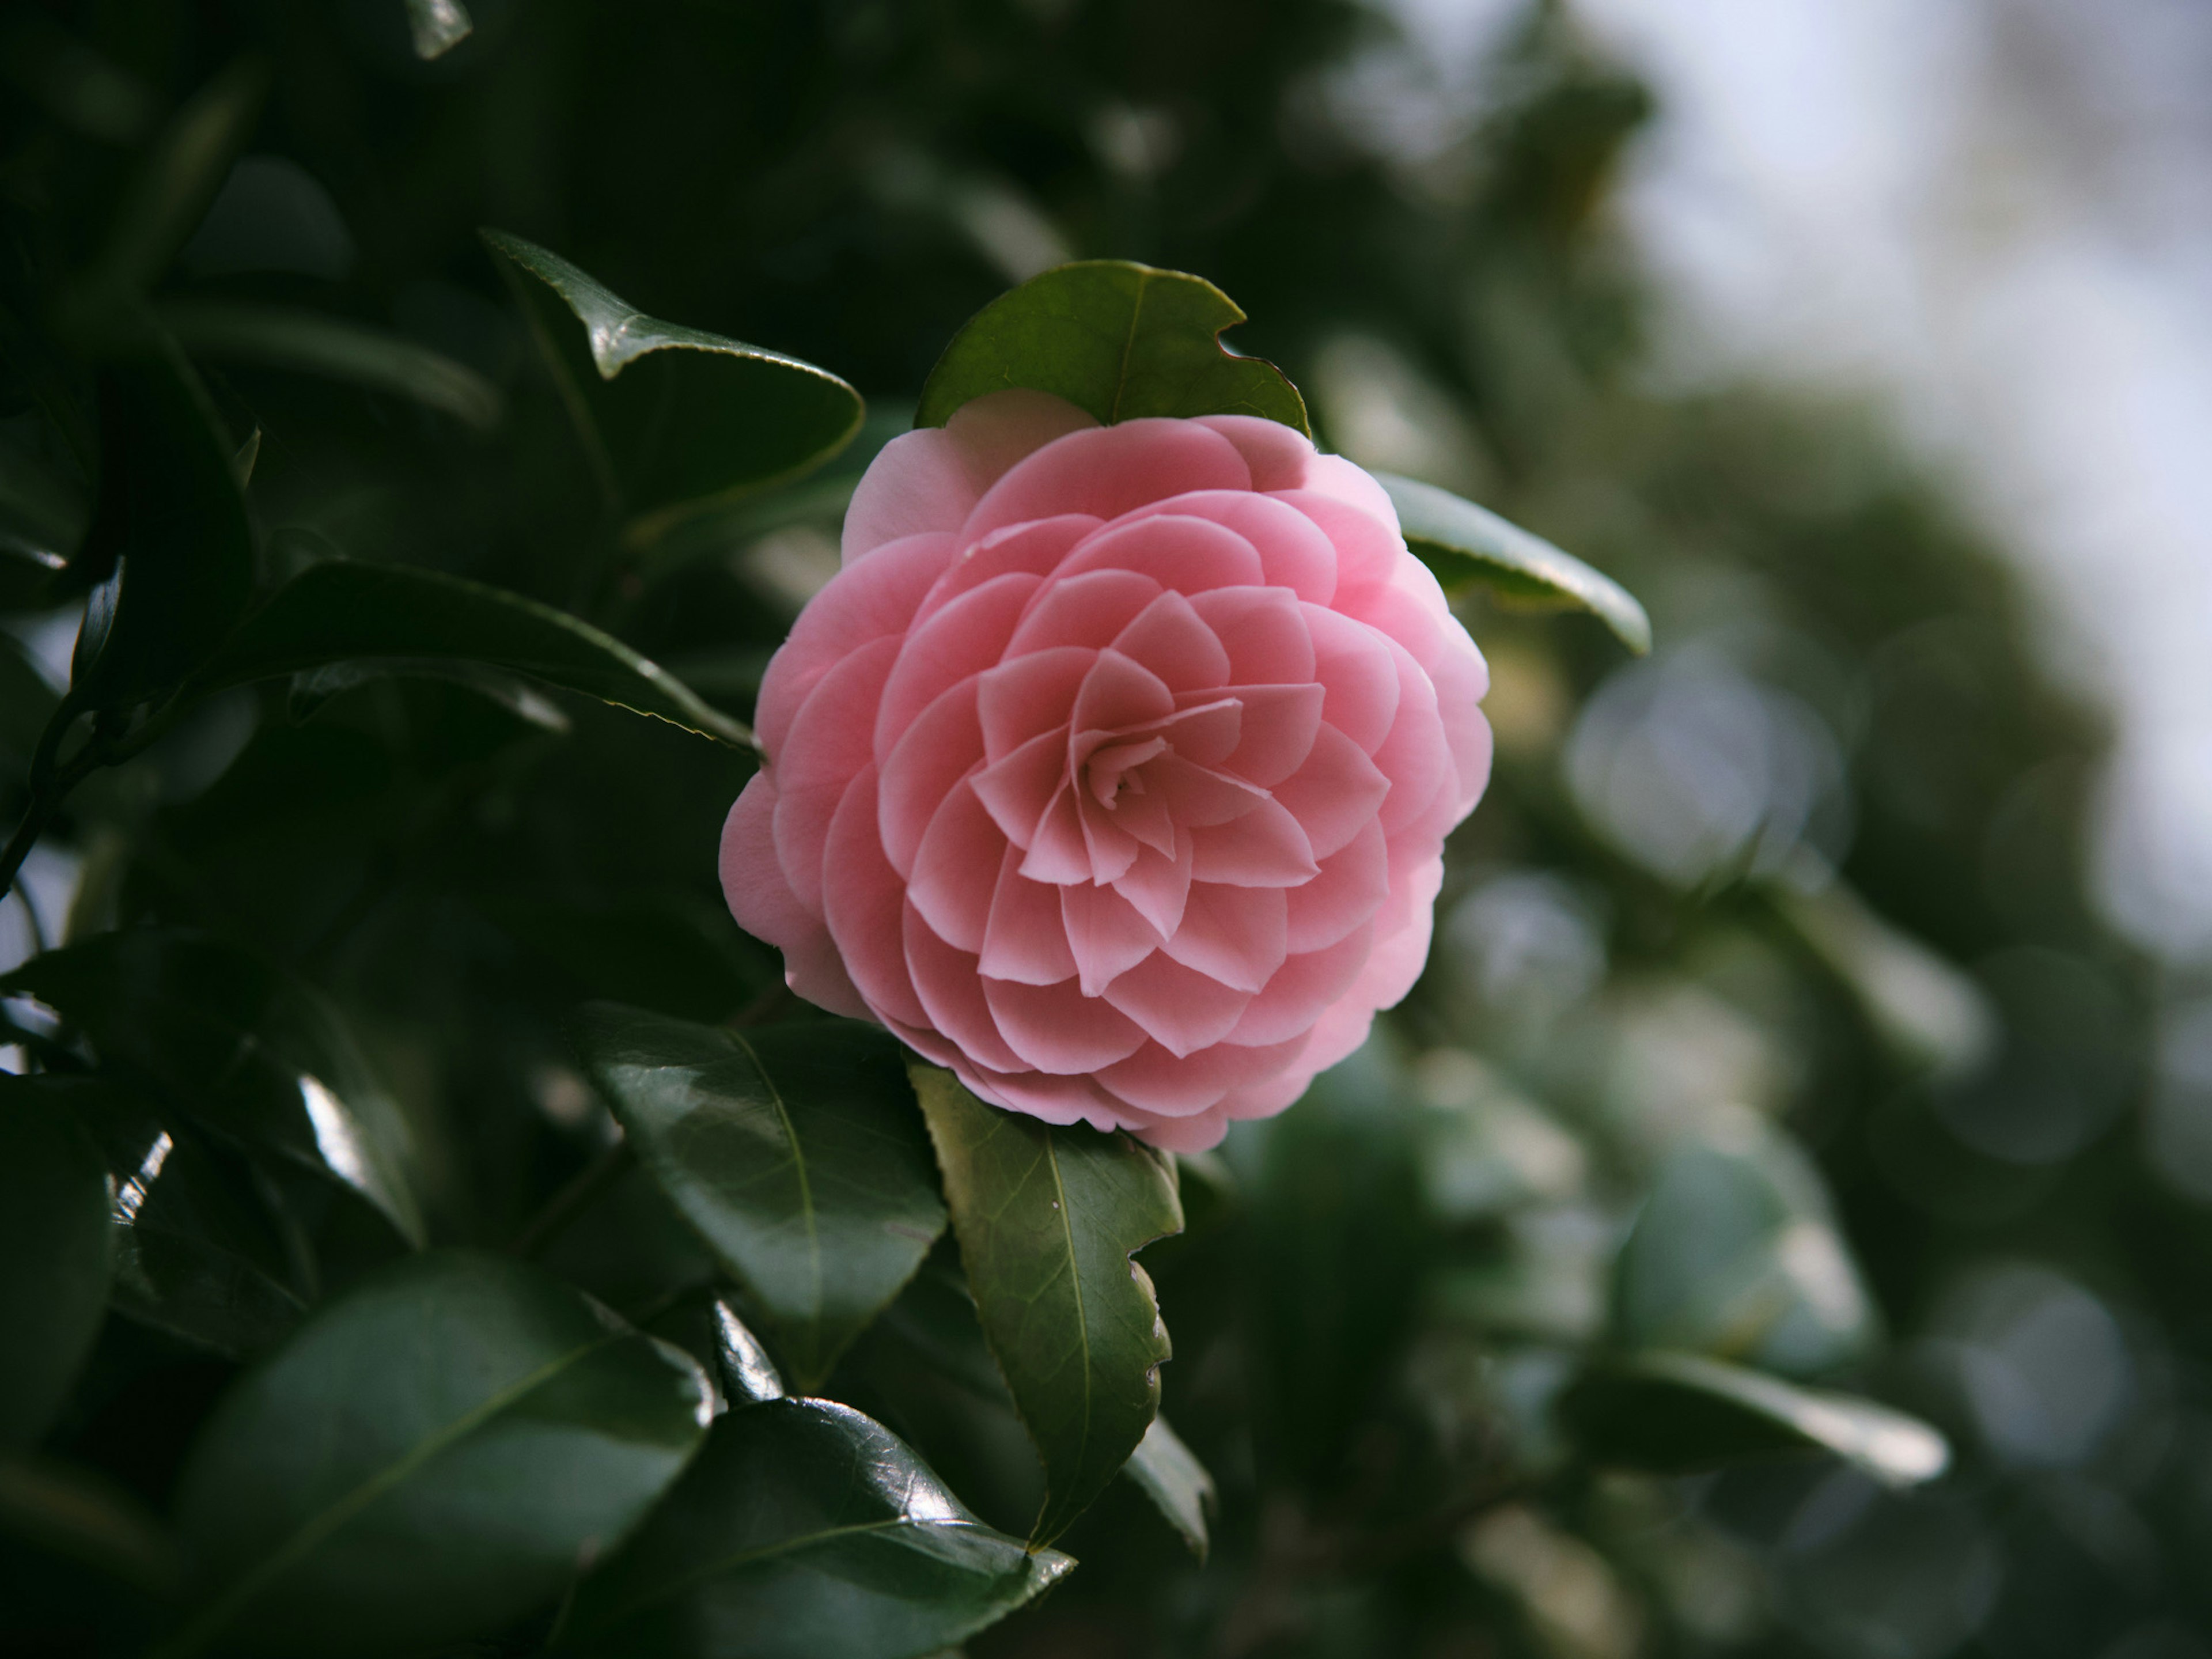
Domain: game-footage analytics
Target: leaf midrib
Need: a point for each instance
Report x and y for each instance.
(799, 1171)
(1128, 350)
(1082, 1317)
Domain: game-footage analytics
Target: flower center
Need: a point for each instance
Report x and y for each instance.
(1113, 769)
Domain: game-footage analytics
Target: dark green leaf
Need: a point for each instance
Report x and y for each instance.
(219, 1036)
(74, 83)
(389, 615)
(1466, 544)
(168, 546)
(426, 1460)
(41, 517)
(437, 26)
(288, 338)
(1116, 339)
(73, 1512)
(658, 951)
(1048, 1219)
(794, 1151)
(1169, 1472)
(1676, 1413)
(805, 1530)
(672, 419)
(56, 1250)
(26, 703)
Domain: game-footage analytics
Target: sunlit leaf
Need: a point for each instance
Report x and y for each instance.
(310, 342)
(806, 1529)
(1116, 339)
(339, 611)
(1048, 1219)
(796, 1152)
(56, 1250)
(672, 419)
(1169, 1472)
(1676, 1413)
(1467, 545)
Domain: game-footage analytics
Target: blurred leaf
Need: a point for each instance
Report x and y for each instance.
(42, 517)
(74, 83)
(426, 1459)
(1116, 339)
(1735, 1254)
(1465, 544)
(652, 950)
(313, 687)
(671, 418)
(310, 342)
(1676, 1413)
(168, 547)
(77, 1513)
(795, 1151)
(1048, 1219)
(390, 615)
(437, 26)
(26, 703)
(57, 1251)
(806, 1529)
(225, 1039)
(197, 1255)
(249, 454)
(1169, 1472)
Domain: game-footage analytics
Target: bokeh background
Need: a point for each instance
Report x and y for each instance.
(1831, 989)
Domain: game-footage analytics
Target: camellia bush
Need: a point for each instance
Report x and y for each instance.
(660, 1006)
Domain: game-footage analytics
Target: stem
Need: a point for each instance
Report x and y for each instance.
(565, 1205)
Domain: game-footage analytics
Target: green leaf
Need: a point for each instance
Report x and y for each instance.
(227, 1040)
(437, 27)
(794, 1151)
(1169, 1472)
(673, 420)
(74, 1512)
(1048, 1219)
(806, 1529)
(658, 951)
(56, 1250)
(1735, 1254)
(291, 337)
(390, 615)
(168, 547)
(748, 1373)
(427, 1459)
(1465, 544)
(1676, 1413)
(1116, 339)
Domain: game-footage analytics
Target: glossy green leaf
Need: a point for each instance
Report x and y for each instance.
(806, 1529)
(796, 1152)
(168, 551)
(217, 1035)
(1465, 544)
(672, 419)
(1048, 1219)
(390, 615)
(1116, 339)
(749, 1374)
(427, 1459)
(56, 1253)
(310, 342)
(1676, 1413)
(1735, 1254)
(437, 27)
(198, 1254)
(69, 1511)
(1169, 1472)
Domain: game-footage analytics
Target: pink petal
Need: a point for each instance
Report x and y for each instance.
(948, 984)
(1279, 456)
(1414, 756)
(1293, 552)
(1355, 667)
(1266, 848)
(1110, 848)
(1197, 797)
(1159, 884)
(1026, 938)
(1086, 610)
(960, 640)
(1337, 792)
(1057, 852)
(841, 619)
(864, 904)
(934, 754)
(1117, 694)
(761, 899)
(824, 751)
(1274, 735)
(930, 479)
(1109, 470)
(1304, 986)
(1016, 788)
(1353, 884)
(1206, 734)
(1179, 1008)
(1062, 1100)
(1334, 477)
(1021, 549)
(1461, 677)
(1168, 638)
(1028, 694)
(956, 868)
(1156, 1080)
(1264, 631)
(1368, 545)
(1270, 1095)
(1107, 934)
(1147, 820)
(1235, 935)
(1056, 1028)
(1189, 556)
(1198, 1134)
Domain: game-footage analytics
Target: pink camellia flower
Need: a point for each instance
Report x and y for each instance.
(1112, 770)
